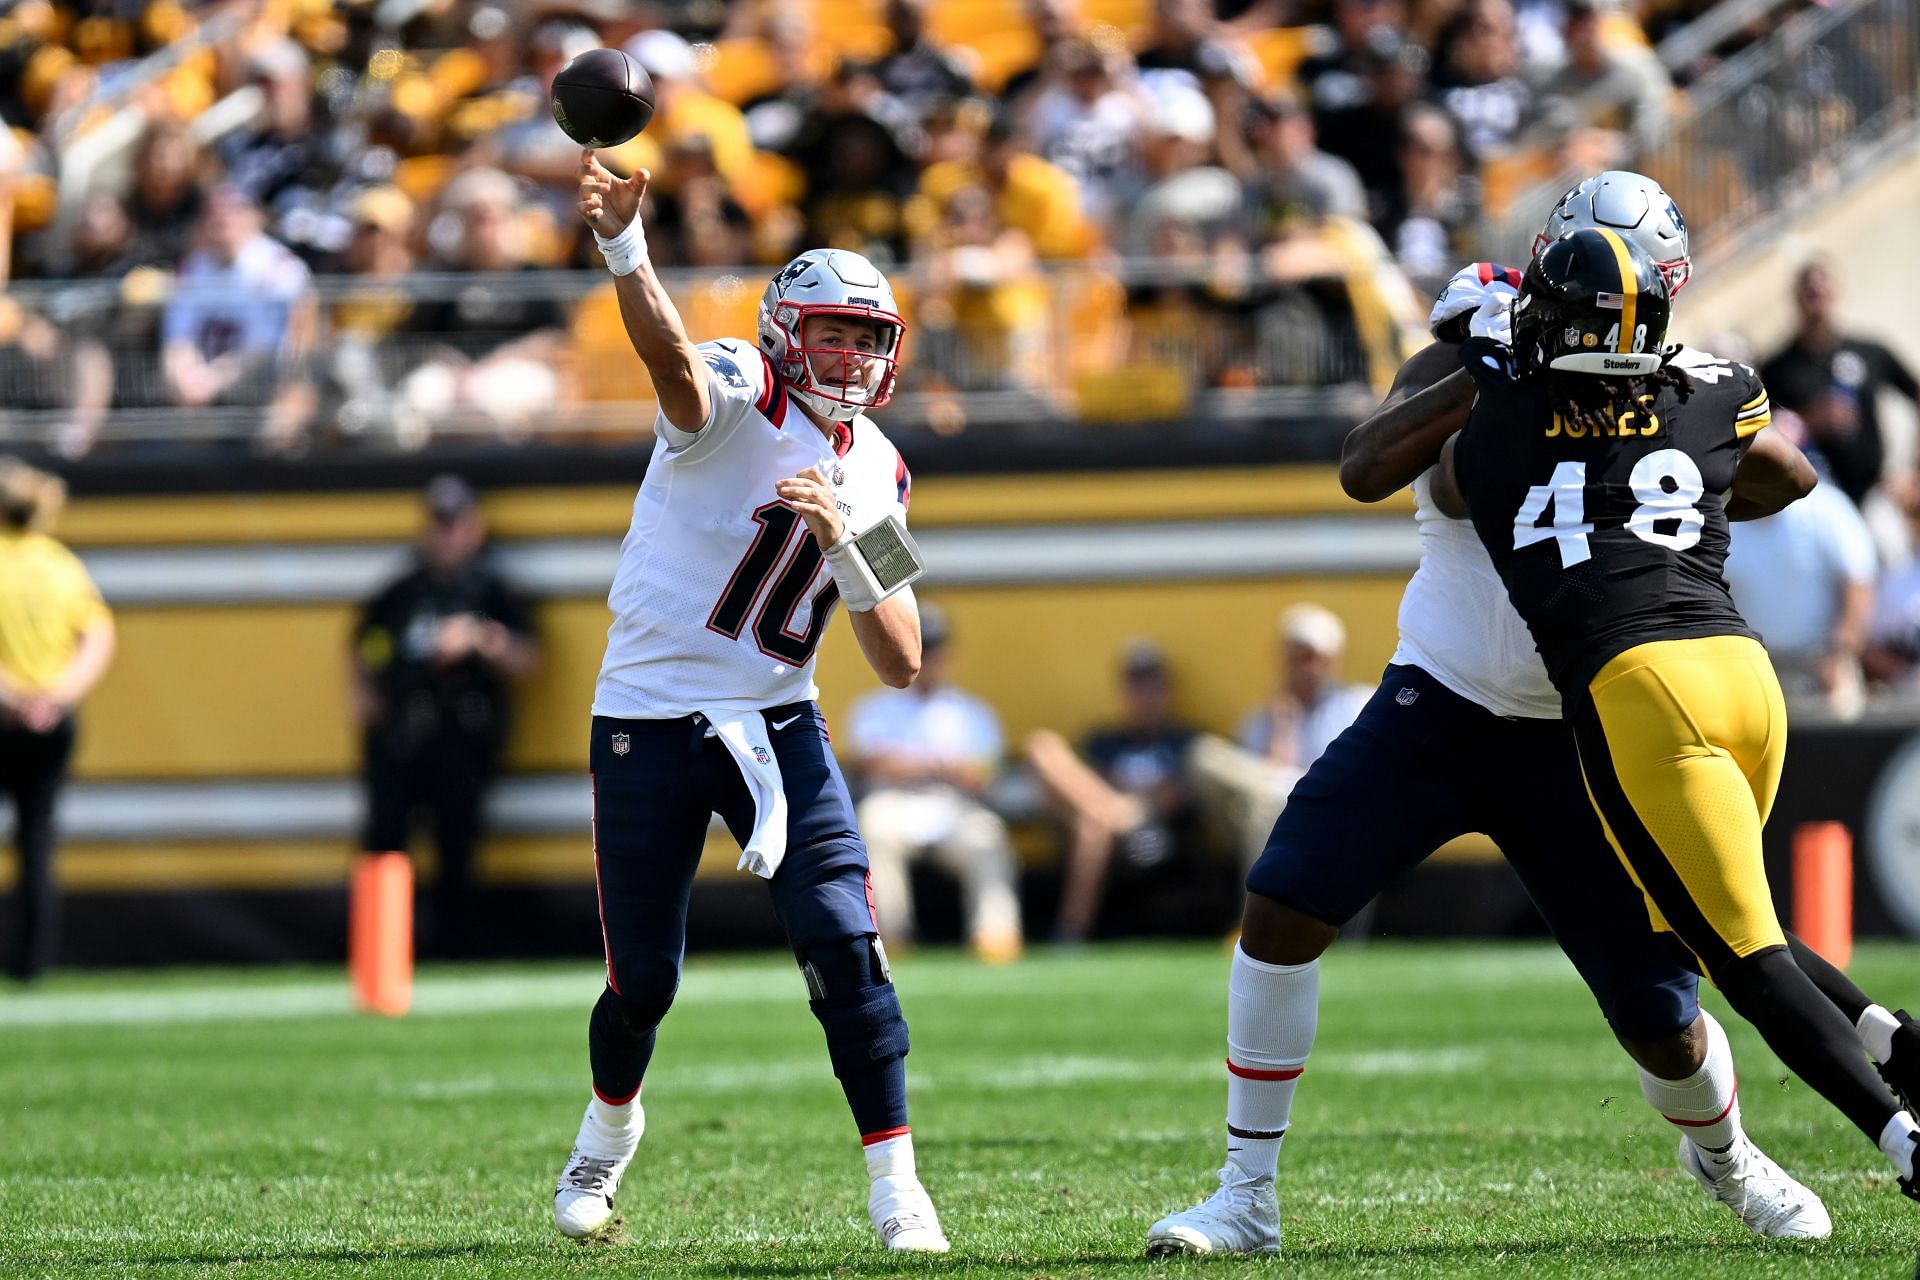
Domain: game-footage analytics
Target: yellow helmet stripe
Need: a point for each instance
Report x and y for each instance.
(1629, 290)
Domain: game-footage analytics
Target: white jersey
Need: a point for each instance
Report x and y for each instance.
(1458, 626)
(722, 596)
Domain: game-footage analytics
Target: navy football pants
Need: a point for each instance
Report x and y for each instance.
(1422, 765)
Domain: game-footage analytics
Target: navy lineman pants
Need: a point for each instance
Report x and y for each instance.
(1422, 765)
(656, 786)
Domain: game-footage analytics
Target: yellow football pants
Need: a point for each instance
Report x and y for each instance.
(1681, 742)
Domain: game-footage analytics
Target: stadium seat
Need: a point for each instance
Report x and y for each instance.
(741, 70)
(1281, 50)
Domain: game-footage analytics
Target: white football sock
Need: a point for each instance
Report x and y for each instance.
(1273, 1011)
(890, 1157)
(1705, 1105)
(1897, 1141)
(614, 1117)
(1876, 1027)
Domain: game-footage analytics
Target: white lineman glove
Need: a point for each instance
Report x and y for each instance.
(1494, 319)
(1464, 294)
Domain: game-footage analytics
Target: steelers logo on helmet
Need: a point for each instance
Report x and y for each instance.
(1635, 206)
(1595, 303)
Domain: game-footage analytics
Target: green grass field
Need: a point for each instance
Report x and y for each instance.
(1464, 1114)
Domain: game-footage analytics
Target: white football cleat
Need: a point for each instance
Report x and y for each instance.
(902, 1213)
(1241, 1217)
(1761, 1194)
(583, 1198)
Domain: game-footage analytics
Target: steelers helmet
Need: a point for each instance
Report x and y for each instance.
(1592, 302)
(1634, 205)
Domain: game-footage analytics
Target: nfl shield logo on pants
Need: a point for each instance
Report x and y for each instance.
(622, 744)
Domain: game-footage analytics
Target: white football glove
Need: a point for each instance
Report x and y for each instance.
(1464, 294)
(1494, 319)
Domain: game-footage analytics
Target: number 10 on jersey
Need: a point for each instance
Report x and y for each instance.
(1562, 500)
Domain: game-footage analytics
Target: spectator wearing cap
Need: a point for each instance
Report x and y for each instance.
(1088, 123)
(1183, 184)
(917, 71)
(1833, 380)
(240, 319)
(284, 161)
(925, 757)
(1624, 93)
(1246, 783)
(432, 658)
(491, 345)
(1128, 795)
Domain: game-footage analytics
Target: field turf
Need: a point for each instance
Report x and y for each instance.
(1464, 1115)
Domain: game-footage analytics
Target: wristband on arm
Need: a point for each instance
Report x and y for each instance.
(868, 567)
(624, 251)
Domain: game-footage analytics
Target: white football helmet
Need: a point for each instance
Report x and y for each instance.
(832, 282)
(1634, 205)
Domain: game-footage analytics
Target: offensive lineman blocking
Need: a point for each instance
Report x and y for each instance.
(770, 496)
(1466, 686)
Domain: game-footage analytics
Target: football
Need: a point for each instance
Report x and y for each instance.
(602, 98)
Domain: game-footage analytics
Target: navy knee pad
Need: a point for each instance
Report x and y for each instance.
(643, 985)
(851, 992)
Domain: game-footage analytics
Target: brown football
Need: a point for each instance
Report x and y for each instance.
(602, 98)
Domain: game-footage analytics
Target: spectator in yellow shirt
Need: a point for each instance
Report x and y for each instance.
(56, 639)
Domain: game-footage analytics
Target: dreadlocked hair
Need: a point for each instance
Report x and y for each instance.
(1593, 404)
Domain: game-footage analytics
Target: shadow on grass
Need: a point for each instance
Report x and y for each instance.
(243, 1257)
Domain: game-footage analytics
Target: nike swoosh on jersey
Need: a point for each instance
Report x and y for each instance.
(777, 725)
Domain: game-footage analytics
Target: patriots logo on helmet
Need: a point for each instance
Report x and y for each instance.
(1673, 211)
(789, 273)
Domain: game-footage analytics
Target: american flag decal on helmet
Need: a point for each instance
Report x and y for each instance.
(1610, 301)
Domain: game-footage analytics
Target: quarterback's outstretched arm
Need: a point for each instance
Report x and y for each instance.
(1428, 402)
(611, 206)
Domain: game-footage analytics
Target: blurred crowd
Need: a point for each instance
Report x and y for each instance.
(1832, 583)
(242, 184)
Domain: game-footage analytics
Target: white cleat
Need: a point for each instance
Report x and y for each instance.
(1241, 1217)
(1761, 1194)
(902, 1213)
(583, 1198)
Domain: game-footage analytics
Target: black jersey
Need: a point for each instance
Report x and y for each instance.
(1608, 536)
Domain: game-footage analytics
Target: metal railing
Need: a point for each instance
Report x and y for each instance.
(1789, 120)
(370, 364)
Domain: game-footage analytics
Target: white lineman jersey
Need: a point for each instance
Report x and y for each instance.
(1458, 626)
(722, 595)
